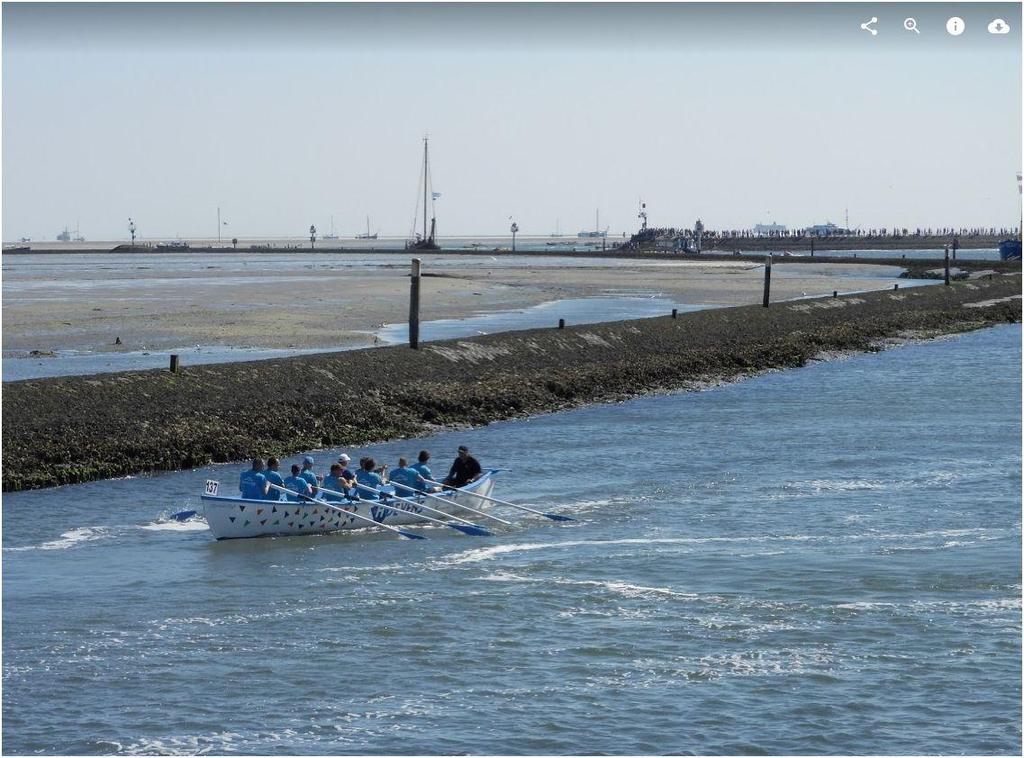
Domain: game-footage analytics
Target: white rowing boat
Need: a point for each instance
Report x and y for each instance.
(237, 517)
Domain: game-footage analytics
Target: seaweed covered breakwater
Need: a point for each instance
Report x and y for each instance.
(75, 429)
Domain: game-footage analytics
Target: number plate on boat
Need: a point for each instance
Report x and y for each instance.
(212, 487)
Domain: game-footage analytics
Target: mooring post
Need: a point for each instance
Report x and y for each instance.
(675, 312)
(835, 293)
(767, 278)
(896, 286)
(946, 256)
(812, 247)
(174, 364)
(561, 323)
(414, 305)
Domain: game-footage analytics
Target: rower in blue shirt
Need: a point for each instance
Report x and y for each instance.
(421, 468)
(408, 476)
(273, 476)
(297, 484)
(307, 473)
(252, 483)
(335, 481)
(368, 477)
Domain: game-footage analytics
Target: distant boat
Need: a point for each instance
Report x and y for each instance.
(64, 236)
(1009, 250)
(597, 231)
(332, 235)
(367, 236)
(426, 242)
(173, 245)
(557, 232)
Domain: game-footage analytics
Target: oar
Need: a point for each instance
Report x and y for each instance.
(452, 502)
(324, 503)
(466, 527)
(552, 516)
(183, 515)
(411, 502)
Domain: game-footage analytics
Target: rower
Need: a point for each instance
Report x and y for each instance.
(347, 475)
(273, 477)
(408, 476)
(297, 483)
(307, 473)
(252, 483)
(335, 481)
(369, 478)
(421, 468)
(464, 470)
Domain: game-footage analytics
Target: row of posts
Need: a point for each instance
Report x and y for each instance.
(414, 300)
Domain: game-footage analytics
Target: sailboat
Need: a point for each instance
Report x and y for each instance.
(426, 241)
(332, 235)
(367, 236)
(598, 231)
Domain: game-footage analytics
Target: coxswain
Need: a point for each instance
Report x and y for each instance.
(464, 470)
(252, 483)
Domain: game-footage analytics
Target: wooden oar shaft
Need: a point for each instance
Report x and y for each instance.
(492, 499)
(452, 502)
(342, 510)
(403, 500)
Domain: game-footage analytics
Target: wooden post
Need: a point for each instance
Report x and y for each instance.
(561, 323)
(835, 293)
(767, 278)
(414, 305)
(174, 364)
(896, 286)
(812, 247)
(946, 256)
(675, 311)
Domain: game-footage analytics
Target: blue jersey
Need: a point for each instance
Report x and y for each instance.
(370, 479)
(310, 477)
(274, 478)
(333, 483)
(297, 484)
(423, 470)
(251, 484)
(408, 476)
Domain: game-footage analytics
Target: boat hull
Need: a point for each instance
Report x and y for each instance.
(1009, 250)
(240, 518)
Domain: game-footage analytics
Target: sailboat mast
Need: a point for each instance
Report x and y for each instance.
(425, 169)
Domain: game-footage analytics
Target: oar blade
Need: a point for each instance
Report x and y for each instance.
(557, 517)
(410, 535)
(183, 515)
(472, 529)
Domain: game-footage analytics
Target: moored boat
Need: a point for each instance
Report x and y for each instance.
(234, 517)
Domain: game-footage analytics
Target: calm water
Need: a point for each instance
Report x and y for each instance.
(824, 560)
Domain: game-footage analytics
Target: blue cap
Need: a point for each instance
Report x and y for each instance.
(308, 460)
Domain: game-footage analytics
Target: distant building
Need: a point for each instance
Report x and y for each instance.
(828, 229)
(768, 230)
(64, 236)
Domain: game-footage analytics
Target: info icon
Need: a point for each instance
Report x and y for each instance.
(955, 26)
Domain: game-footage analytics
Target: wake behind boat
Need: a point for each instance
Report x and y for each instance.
(235, 517)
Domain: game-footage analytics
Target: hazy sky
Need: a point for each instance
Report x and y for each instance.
(285, 114)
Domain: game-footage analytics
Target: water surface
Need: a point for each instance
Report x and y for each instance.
(820, 561)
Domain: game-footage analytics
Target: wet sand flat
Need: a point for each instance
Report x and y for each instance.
(330, 303)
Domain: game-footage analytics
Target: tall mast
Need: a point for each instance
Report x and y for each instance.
(425, 169)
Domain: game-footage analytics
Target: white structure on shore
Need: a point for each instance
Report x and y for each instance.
(769, 230)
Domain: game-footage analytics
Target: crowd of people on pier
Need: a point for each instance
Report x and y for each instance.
(265, 481)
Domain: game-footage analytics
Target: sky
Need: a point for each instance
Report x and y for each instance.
(283, 115)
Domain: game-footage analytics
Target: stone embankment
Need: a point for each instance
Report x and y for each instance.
(76, 429)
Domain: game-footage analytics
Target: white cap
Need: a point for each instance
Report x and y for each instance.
(343, 458)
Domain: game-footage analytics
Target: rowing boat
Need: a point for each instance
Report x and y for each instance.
(234, 517)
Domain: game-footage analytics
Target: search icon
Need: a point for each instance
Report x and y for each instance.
(910, 25)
